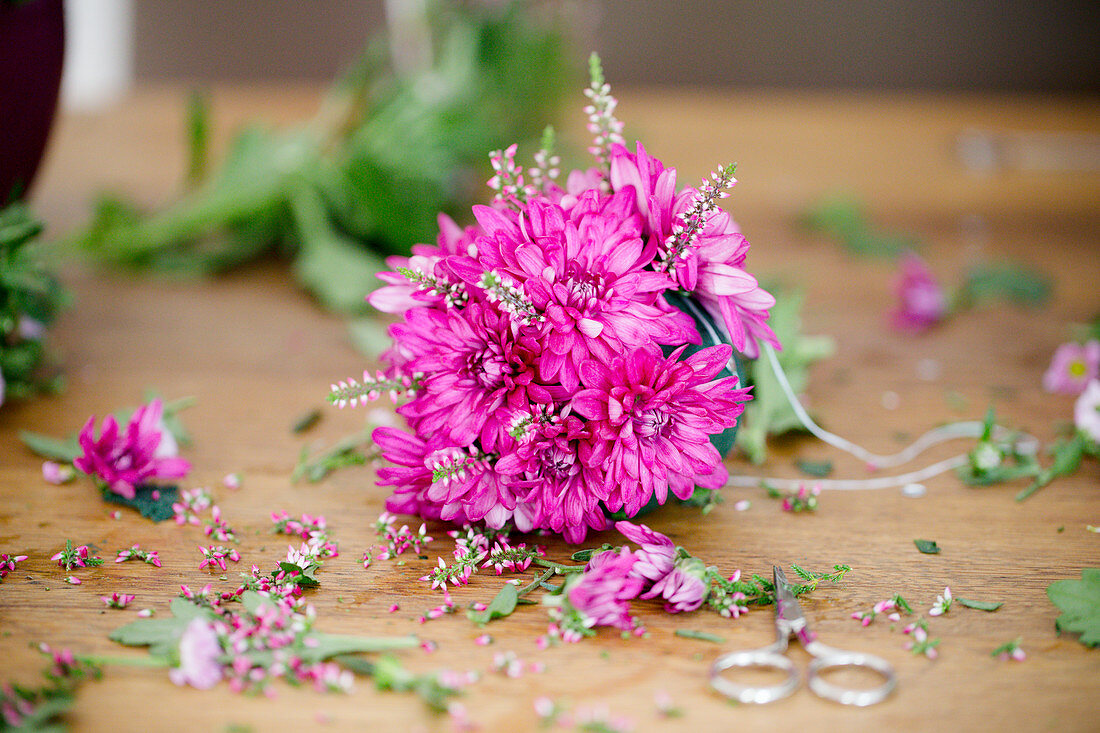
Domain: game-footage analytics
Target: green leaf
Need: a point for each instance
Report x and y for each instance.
(927, 547)
(306, 421)
(1079, 601)
(58, 449)
(161, 635)
(769, 413)
(501, 606)
(700, 636)
(320, 647)
(153, 502)
(980, 605)
(818, 469)
(1008, 281)
(1067, 459)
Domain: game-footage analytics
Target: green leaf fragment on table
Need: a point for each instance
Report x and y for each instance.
(818, 469)
(321, 646)
(1008, 281)
(500, 607)
(57, 449)
(1079, 601)
(152, 502)
(1067, 459)
(844, 218)
(306, 421)
(979, 605)
(700, 636)
(927, 547)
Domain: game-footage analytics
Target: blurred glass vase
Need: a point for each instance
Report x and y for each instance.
(32, 42)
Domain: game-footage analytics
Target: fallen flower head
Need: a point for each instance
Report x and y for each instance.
(121, 460)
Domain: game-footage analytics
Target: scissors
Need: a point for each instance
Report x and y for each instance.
(790, 621)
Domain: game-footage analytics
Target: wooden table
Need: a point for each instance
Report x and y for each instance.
(257, 353)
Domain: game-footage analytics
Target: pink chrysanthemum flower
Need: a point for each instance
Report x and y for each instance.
(583, 274)
(653, 418)
(684, 589)
(1072, 367)
(922, 302)
(124, 461)
(474, 364)
(199, 651)
(557, 490)
(713, 267)
(657, 553)
(603, 593)
(437, 481)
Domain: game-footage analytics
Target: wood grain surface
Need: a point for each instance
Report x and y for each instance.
(256, 353)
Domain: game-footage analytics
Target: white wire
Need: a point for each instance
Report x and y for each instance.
(969, 429)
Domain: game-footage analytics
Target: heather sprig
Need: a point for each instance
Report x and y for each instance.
(192, 503)
(1010, 650)
(214, 556)
(349, 392)
(602, 123)
(7, 563)
(920, 642)
(689, 226)
(502, 290)
(454, 294)
(508, 182)
(42, 708)
(76, 557)
(135, 552)
(117, 600)
(546, 168)
(217, 528)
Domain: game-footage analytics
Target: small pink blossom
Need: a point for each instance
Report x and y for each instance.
(232, 481)
(124, 460)
(7, 563)
(199, 651)
(942, 604)
(57, 474)
(117, 600)
(73, 580)
(1086, 411)
(921, 299)
(1072, 367)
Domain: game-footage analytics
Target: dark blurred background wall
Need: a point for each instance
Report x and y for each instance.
(1011, 45)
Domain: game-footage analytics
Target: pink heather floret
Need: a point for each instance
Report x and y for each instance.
(1072, 367)
(1086, 411)
(125, 460)
(199, 650)
(921, 300)
(603, 593)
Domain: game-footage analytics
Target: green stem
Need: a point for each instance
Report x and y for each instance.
(535, 583)
(124, 661)
(557, 567)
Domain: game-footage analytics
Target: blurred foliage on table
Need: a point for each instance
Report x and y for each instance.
(770, 414)
(393, 144)
(30, 298)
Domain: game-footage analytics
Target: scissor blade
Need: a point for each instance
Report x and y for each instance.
(786, 605)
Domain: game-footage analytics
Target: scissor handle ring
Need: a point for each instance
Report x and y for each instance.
(835, 659)
(764, 658)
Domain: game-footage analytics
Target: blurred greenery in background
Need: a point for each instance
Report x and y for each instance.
(390, 148)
